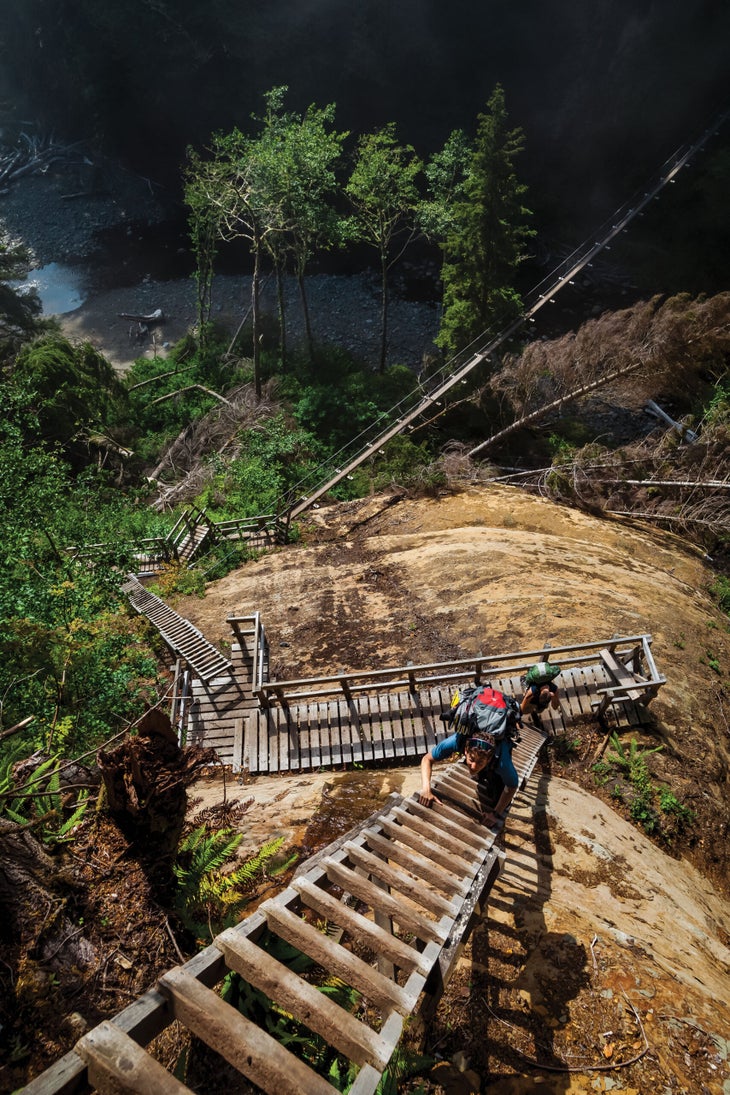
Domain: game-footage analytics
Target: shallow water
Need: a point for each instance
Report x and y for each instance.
(60, 288)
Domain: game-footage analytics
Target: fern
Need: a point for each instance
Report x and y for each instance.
(403, 1064)
(209, 898)
(31, 804)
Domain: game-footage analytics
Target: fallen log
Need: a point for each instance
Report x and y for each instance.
(158, 316)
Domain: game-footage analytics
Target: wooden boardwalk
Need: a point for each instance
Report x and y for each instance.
(374, 726)
(398, 895)
(395, 727)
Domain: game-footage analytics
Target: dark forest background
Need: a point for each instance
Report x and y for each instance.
(605, 90)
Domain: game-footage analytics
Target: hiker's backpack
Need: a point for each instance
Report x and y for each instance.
(542, 673)
(477, 710)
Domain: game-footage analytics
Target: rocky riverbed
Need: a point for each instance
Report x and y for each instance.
(120, 248)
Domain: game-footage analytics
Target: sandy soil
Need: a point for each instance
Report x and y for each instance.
(590, 918)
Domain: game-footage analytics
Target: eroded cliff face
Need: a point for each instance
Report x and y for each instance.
(599, 940)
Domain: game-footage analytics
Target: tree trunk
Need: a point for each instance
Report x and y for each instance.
(383, 311)
(256, 318)
(146, 779)
(307, 319)
(281, 302)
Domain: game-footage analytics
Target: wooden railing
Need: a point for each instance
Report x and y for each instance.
(633, 649)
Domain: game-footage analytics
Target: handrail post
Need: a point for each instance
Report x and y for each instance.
(345, 684)
(281, 697)
(412, 686)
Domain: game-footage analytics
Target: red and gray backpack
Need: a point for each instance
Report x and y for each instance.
(481, 711)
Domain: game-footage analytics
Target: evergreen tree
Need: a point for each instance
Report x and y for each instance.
(485, 241)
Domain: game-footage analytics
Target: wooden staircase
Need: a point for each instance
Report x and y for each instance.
(180, 635)
(386, 909)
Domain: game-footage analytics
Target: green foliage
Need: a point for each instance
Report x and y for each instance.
(210, 898)
(271, 458)
(717, 412)
(403, 1065)
(296, 1037)
(485, 243)
(178, 578)
(166, 394)
(405, 463)
(720, 590)
(67, 390)
(646, 801)
(385, 200)
(38, 799)
(446, 174)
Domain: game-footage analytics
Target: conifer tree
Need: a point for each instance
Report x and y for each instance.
(486, 239)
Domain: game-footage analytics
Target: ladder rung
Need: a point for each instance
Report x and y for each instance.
(243, 1044)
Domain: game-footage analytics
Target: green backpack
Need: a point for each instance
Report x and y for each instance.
(542, 673)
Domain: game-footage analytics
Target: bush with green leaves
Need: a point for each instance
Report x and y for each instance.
(272, 457)
(405, 463)
(67, 389)
(165, 394)
(646, 801)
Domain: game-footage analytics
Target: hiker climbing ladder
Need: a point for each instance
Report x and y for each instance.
(399, 893)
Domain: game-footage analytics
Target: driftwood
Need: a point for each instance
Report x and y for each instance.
(158, 316)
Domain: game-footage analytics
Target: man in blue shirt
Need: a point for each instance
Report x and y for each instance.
(480, 755)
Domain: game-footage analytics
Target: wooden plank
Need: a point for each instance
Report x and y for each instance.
(251, 743)
(362, 750)
(397, 722)
(66, 1076)
(397, 880)
(324, 735)
(622, 674)
(439, 817)
(417, 864)
(342, 721)
(237, 756)
(415, 835)
(289, 742)
(372, 708)
(464, 828)
(242, 1043)
(424, 826)
(313, 1008)
(376, 898)
(304, 722)
(273, 716)
(360, 927)
(379, 990)
(379, 708)
(412, 731)
(117, 1064)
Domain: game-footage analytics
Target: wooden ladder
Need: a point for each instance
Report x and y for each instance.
(401, 892)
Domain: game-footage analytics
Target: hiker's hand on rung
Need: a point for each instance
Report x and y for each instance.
(427, 798)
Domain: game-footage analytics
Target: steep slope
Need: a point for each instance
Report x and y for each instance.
(591, 918)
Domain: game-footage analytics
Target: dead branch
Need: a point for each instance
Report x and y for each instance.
(189, 388)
